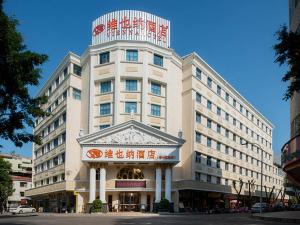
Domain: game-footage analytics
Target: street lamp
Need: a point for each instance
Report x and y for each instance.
(261, 171)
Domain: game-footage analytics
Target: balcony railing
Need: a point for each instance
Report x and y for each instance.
(290, 151)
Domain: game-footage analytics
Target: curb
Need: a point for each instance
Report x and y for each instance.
(277, 219)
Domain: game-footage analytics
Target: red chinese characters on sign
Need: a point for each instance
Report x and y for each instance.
(127, 154)
(94, 153)
(136, 26)
(130, 184)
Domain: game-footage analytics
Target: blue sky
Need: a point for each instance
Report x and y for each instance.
(235, 37)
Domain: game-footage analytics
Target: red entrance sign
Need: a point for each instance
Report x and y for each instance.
(130, 184)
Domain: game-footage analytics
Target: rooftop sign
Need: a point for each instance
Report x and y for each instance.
(131, 25)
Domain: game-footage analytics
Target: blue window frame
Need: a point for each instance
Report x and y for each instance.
(105, 109)
(158, 60)
(103, 126)
(105, 87)
(155, 88)
(155, 110)
(104, 57)
(130, 106)
(131, 85)
(132, 55)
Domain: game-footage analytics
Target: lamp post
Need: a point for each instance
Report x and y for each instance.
(261, 171)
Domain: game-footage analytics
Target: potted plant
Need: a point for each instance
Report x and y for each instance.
(164, 205)
(97, 206)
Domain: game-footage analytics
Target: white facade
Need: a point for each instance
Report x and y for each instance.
(131, 96)
(21, 177)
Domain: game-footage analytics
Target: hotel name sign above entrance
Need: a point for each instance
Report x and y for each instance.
(135, 154)
(131, 25)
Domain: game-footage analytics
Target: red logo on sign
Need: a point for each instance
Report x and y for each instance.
(98, 29)
(94, 153)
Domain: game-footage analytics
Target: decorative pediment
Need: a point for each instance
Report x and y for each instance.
(130, 133)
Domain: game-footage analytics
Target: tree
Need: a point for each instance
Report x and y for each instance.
(269, 195)
(238, 189)
(287, 51)
(251, 187)
(6, 187)
(19, 69)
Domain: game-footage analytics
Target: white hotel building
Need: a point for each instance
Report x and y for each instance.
(132, 122)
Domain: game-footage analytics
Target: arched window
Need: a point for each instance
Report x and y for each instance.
(130, 173)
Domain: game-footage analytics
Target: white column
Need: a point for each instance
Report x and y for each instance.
(168, 178)
(158, 185)
(102, 191)
(92, 195)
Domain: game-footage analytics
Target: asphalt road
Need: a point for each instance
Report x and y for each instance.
(217, 219)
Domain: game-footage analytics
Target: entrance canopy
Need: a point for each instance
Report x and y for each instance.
(131, 141)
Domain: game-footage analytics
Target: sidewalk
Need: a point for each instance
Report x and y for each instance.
(286, 216)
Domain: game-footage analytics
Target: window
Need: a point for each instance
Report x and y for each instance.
(227, 97)
(218, 146)
(155, 88)
(55, 142)
(198, 137)
(198, 157)
(218, 111)
(209, 142)
(226, 166)
(132, 55)
(227, 116)
(55, 161)
(22, 194)
(65, 72)
(218, 163)
(54, 179)
(57, 82)
(234, 102)
(158, 60)
(234, 121)
(218, 180)
(247, 113)
(130, 106)
(198, 117)
(234, 153)
(155, 110)
(63, 157)
(241, 126)
(226, 181)
(233, 168)
(209, 104)
(227, 133)
(208, 178)
(198, 97)
(226, 150)
(77, 70)
(105, 87)
(56, 123)
(198, 73)
(105, 109)
(103, 126)
(241, 156)
(208, 123)
(209, 82)
(208, 162)
(197, 176)
(23, 184)
(76, 94)
(131, 85)
(218, 128)
(241, 108)
(218, 90)
(241, 170)
(234, 137)
(104, 57)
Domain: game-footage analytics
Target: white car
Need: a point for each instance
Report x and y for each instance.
(22, 209)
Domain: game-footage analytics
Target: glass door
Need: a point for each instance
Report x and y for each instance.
(129, 201)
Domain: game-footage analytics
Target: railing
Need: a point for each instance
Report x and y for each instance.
(290, 151)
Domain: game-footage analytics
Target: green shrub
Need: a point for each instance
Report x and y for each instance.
(164, 205)
(97, 205)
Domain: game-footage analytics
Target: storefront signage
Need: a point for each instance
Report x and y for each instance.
(131, 25)
(130, 154)
(130, 184)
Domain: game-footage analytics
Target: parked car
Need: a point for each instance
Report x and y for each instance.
(256, 207)
(278, 207)
(22, 209)
(295, 207)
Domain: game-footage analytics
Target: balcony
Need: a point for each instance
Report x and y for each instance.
(290, 158)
